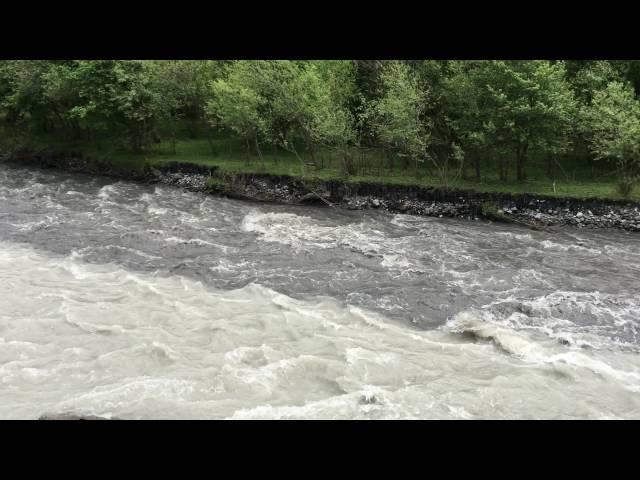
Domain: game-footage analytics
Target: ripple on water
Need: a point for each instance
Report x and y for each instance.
(279, 312)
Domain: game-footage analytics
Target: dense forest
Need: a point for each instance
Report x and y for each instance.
(443, 119)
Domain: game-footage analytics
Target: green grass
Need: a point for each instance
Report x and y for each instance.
(230, 157)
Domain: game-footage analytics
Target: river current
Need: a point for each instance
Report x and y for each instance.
(134, 301)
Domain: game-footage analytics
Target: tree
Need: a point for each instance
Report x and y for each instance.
(399, 115)
(314, 101)
(614, 118)
(590, 77)
(21, 92)
(328, 120)
(89, 95)
(462, 113)
(237, 104)
(184, 90)
(368, 88)
(285, 103)
(527, 105)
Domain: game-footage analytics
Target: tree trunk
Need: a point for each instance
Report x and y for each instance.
(520, 169)
(443, 161)
(194, 127)
(255, 141)
(503, 170)
(77, 131)
(477, 165)
(445, 171)
(311, 150)
(274, 147)
(173, 136)
(210, 142)
(63, 123)
(521, 155)
(389, 159)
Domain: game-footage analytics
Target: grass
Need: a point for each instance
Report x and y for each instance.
(230, 157)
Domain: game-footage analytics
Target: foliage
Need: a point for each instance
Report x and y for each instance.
(439, 116)
(614, 117)
(526, 105)
(399, 116)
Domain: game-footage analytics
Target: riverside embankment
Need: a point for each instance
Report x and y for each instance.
(536, 211)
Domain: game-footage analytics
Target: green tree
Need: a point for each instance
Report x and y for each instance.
(22, 92)
(327, 118)
(236, 104)
(115, 97)
(460, 99)
(184, 90)
(614, 116)
(526, 105)
(285, 103)
(314, 100)
(399, 115)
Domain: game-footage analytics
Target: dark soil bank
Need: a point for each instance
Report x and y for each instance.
(531, 210)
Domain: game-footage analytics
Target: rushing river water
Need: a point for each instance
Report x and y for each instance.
(139, 301)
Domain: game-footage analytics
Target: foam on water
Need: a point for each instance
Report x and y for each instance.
(101, 340)
(585, 319)
(140, 301)
(302, 232)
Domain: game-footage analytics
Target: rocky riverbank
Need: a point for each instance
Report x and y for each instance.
(534, 211)
(530, 210)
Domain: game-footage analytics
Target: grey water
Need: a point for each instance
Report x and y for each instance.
(125, 300)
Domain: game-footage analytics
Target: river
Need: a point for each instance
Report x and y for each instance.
(134, 301)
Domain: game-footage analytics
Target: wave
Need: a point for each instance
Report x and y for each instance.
(196, 242)
(537, 351)
(106, 192)
(87, 251)
(106, 341)
(585, 319)
(567, 248)
(303, 233)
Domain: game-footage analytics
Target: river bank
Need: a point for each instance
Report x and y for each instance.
(534, 211)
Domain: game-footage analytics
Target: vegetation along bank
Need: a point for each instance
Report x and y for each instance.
(531, 210)
(536, 141)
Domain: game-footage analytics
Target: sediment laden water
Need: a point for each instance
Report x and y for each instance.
(135, 301)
